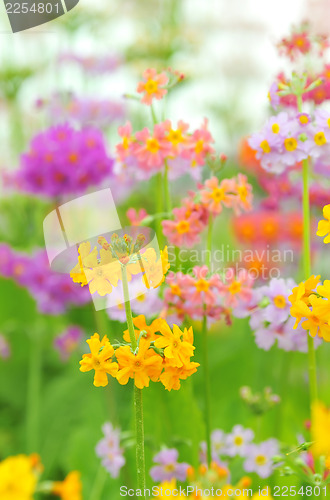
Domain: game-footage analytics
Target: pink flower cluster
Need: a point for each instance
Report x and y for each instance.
(301, 42)
(201, 293)
(143, 154)
(192, 217)
(53, 292)
(62, 160)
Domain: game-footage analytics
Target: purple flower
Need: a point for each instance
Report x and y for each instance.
(259, 457)
(273, 96)
(67, 342)
(108, 449)
(53, 292)
(64, 161)
(5, 350)
(219, 447)
(238, 440)
(280, 143)
(93, 65)
(168, 467)
(84, 111)
(278, 292)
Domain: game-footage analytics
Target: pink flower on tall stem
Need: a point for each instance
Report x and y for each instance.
(183, 230)
(151, 149)
(215, 195)
(152, 86)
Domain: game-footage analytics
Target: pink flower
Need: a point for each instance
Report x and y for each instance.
(152, 86)
(123, 149)
(152, 149)
(136, 217)
(200, 145)
(244, 195)
(204, 288)
(215, 195)
(178, 138)
(238, 287)
(183, 230)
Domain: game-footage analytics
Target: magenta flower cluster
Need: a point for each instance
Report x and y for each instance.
(62, 161)
(53, 292)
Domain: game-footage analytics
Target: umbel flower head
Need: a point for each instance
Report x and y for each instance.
(165, 357)
(121, 256)
(62, 160)
(310, 303)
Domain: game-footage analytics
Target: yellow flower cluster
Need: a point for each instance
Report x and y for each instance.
(310, 303)
(162, 355)
(324, 225)
(19, 477)
(103, 272)
(320, 426)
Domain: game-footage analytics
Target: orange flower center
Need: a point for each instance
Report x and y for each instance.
(153, 145)
(151, 87)
(175, 137)
(199, 146)
(235, 287)
(280, 301)
(73, 157)
(218, 194)
(183, 227)
(202, 285)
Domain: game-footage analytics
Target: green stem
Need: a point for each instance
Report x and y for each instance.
(138, 398)
(207, 392)
(167, 194)
(99, 484)
(208, 258)
(307, 267)
(159, 206)
(33, 393)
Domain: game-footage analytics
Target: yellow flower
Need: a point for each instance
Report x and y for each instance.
(141, 325)
(86, 258)
(17, 478)
(142, 366)
(172, 375)
(165, 488)
(324, 225)
(304, 290)
(103, 276)
(320, 430)
(317, 318)
(155, 269)
(70, 488)
(99, 360)
(176, 345)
